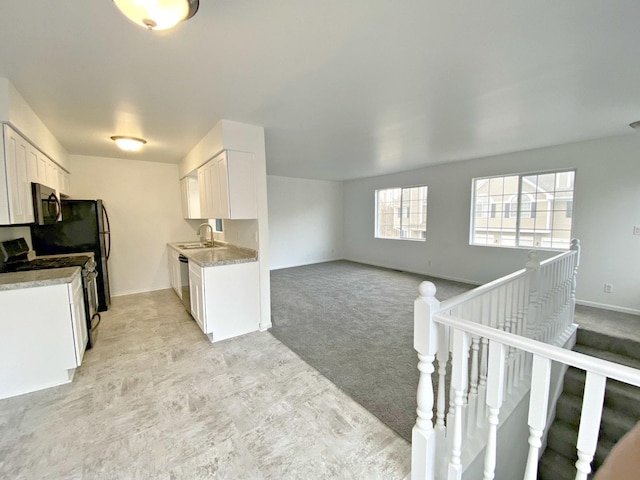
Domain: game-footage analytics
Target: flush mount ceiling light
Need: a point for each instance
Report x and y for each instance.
(128, 144)
(635, 125)
(158, 14)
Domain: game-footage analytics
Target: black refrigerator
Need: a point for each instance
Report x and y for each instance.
(84, 228)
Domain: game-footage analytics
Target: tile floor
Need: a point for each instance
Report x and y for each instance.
(155, 400)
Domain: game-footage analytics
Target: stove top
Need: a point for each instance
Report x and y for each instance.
(45, 263)
(14, 258)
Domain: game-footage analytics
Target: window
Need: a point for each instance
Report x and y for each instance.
(482, 206)
(569, 209)
(531, 210)
(402, 213)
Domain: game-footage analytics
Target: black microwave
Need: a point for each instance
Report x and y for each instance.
(46, 205)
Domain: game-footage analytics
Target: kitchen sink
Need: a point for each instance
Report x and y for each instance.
(193, 246)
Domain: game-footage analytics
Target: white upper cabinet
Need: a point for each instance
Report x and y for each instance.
(228, 187)
(21, 164)
(190, 197)
(16, 203)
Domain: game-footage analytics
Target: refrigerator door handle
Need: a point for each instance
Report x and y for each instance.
(107, 231)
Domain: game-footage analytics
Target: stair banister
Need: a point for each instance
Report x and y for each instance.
(535, 302)
(597, 372)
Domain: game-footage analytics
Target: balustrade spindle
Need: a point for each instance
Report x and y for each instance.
(472, 409)
(538, 403)
(482, 386)
(443, 358)
(459, 382)
(495, 392)
(508, 326)
(592, 403)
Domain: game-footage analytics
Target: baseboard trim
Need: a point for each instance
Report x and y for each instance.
(312, 262)
(135, 292)
(427, 274)
(613, 308)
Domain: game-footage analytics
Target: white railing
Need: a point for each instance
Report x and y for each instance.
(499, 339)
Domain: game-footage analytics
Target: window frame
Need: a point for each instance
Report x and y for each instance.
(405, 213)
(519, 232)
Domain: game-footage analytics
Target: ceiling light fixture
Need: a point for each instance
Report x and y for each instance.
(158, 14)
(128, 144)
(635, 125)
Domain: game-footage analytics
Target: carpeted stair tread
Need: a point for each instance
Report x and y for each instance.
(608, 343)
(619, 396)
(612, 357)
(620, 413)
(563, 439)
(554, 466)
(614, 422)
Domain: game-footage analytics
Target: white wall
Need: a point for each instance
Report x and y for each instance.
(11, 233)
(606, 207)
(305, 221)
(143, 201)
(15, 110)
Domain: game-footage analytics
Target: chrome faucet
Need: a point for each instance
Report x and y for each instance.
(204, 239)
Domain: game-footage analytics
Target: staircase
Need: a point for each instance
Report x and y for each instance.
(621, 407)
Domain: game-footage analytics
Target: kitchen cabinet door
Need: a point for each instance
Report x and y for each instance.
(52, 175)
(61, 183)
(19, 197)
(78, 319)
(41, 343)
(190, 197)
(231, 297)
(227, 187)
(204, 186)
(174, 271)
(196, 290)
(33, 163)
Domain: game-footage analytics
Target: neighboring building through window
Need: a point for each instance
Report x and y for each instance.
(402, 213)
(529, 210)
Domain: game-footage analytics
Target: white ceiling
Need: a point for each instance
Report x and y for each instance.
(344, 89)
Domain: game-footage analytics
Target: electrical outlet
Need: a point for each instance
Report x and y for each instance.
(608, 288)
(636, 230)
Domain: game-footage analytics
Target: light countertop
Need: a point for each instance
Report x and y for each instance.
(38, 278)
(221, 254)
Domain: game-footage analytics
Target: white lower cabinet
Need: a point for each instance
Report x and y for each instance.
(196, 292)
(174, 271)
(44, 336)
(78, 319)
(225, 299)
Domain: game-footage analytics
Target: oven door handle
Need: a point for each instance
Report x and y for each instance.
(90, 276)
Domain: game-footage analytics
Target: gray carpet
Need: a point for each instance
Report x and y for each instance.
(354, 324)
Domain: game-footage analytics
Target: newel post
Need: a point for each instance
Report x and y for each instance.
(425, 341)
